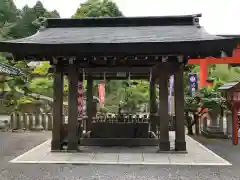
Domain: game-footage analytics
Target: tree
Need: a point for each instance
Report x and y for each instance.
(8, 16)
(206, 98)
(98, 8)
(39, 9)
(16, 23)
(30, 20)
(192, 107)
(14, 87)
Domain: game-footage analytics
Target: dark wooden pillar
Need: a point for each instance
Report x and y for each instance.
(89, 101)
(152, 91)
(164, 144)
(56, 144)
(180, 143)
(152, 103)
(72, 106)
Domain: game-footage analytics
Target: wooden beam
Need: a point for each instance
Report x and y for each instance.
(226, 60)
(101, 70)
(140, 69)
(122, 78)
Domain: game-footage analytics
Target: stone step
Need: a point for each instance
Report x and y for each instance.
(119, 142)
(214, 135)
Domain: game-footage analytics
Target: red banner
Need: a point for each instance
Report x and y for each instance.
(101, 93)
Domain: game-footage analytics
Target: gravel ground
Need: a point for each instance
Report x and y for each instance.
(14, 144)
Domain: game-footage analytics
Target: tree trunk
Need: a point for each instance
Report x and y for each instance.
(190, 130)
(189, 123)
(197, 129)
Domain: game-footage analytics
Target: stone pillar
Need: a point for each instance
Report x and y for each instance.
(180, 143)
(89, 101)
(214, 120)
(72, 106)
(205, 122)
(152, 104)
(50, 121)
(57, 108)
(164, 144)
(221, 120)
(229, 123)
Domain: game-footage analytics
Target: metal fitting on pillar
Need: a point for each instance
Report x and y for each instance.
(55, 60)
(164, 59)
(72, 59)
(196, 22)
(180, 59)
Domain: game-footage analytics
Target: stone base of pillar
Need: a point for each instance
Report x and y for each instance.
(164, 146)
(180, 146)
(39, 128)
(72, 146)
(74, 151)
(153, 120)
(56, 145)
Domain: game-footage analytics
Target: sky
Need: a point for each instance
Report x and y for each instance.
(218, 16)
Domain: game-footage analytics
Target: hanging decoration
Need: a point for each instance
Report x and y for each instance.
(101, 91)
(193, 83)
(81, 96)
(171, 84)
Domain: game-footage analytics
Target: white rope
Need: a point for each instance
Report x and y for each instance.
(129, 77)
(150, 77)
(83, 75)
(104, 77)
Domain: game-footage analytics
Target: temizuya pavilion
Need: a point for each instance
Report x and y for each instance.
(163, 44)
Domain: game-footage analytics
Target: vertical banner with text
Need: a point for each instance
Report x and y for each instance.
(193, 83)
(171, 83)
(101, 93)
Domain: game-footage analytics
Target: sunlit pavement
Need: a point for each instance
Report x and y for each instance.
(15, 144)
(197, 154)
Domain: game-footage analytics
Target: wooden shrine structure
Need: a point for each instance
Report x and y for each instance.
(231, 92)
(160, 45)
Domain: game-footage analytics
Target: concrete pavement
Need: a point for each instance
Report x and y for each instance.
(15, 144)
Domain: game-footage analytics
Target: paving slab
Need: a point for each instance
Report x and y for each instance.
(197, 155)
(156, 158)
(105, 157)
(133, 158)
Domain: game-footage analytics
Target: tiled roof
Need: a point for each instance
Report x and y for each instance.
(228, 85)
(120, 30)
(4, 68)
(168, 35)
(119, 35)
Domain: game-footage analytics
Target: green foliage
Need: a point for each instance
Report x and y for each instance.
(97, 8)
(191, 103)
(213, 99)
(8, 11)
(25, 22)
(8, 16)
(16, 23)
(14, 86)
(26, 99)
(42, 69)
(42, 86)
(224, 74)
